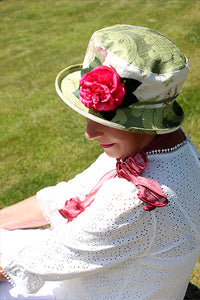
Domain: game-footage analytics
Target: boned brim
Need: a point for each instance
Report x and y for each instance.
(148, 118)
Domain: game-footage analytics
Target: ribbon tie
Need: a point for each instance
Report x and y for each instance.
(149, 190)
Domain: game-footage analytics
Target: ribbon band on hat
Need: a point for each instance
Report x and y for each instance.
(157, 104)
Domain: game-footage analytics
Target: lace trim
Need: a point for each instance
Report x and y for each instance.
(43, 210)
(4, 273)
(168, 150)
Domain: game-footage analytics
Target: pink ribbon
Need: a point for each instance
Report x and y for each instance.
(74, 206)
(149, 191)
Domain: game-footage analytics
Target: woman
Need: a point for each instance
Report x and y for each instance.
(125, 228)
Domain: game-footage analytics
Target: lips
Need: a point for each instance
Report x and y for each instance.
(105, 146)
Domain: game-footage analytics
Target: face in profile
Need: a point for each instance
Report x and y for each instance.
(117, 143)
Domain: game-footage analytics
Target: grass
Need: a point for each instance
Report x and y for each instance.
(42, 141)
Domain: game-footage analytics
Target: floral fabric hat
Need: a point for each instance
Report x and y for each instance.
(129, 80)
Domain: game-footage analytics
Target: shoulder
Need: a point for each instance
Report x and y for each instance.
(115, 201)
(103, 164)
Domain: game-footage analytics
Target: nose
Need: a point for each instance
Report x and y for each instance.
(93, 130)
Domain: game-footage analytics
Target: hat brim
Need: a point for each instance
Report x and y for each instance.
(149, 119)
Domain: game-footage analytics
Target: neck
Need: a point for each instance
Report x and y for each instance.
(166, 141)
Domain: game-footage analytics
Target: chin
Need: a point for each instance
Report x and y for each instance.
(114, 155)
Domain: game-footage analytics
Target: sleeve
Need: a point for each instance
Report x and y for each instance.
(112, 230)
(52, 198)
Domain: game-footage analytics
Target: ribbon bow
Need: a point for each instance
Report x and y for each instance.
(149, 190)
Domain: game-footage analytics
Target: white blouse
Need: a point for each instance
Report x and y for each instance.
(115, 249)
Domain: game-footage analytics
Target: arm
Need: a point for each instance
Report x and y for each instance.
(24, 214)
(88, 243)
(28, 214)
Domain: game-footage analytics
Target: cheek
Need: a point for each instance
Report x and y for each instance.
(128, 148)
(125, 148)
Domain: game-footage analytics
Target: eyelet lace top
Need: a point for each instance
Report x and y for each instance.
(115, 249)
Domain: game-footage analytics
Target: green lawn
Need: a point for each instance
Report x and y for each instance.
(42, 141)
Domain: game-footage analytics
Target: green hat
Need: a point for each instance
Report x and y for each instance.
(129, 80)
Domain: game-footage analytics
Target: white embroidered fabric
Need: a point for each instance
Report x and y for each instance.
(115, 249)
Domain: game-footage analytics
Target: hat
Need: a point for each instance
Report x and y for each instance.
(129, 80)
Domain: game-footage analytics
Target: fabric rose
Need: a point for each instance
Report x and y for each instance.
(73, 207)
(101, 89)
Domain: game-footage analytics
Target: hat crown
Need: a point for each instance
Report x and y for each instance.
(141, 47)
(142, 54)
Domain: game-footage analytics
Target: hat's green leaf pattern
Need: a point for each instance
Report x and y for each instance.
(120, 117)
(95, 63)
(150, 120)
(172, 117)
(77, 93)
(142, 47)
(84, 71)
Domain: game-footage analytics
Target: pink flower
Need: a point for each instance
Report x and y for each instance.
(101, 89)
